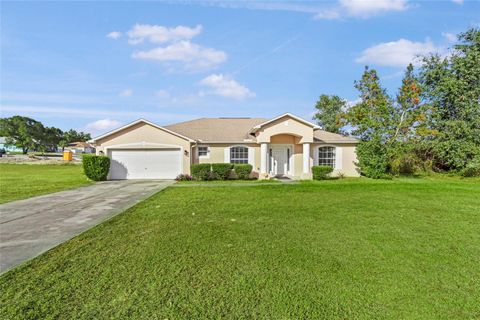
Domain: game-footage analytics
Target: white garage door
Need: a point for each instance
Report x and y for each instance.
(145, 164)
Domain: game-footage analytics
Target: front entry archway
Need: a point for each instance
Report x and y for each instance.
(281, 158)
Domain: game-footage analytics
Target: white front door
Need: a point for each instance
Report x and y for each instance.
(145, 163)
(280, 160)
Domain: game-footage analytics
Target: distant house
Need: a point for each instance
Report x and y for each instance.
(80, 147)
(7, 147)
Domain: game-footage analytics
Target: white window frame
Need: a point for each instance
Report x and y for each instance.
(239, 146)
(338, 155)
(205, 156)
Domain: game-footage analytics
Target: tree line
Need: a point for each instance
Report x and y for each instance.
(432, 124)
(31, 135)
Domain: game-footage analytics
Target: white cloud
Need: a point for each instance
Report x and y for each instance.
(397, 53)
(176, 48)
(361, 8)
(451, 37)
(193, 56)
(320, 9)
(114, 35)
(367, 8)
(225, 86)
(102, 125)
(126, 93)
(161, 34)
(457, 1)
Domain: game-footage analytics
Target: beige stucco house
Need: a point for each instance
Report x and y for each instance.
(286, 145)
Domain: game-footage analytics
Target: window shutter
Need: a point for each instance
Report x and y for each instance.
(315, 155)
(226, 157)
(251, 156)
(338, 158)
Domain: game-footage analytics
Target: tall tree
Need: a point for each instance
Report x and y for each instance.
(410, 113)
(23, 132)
(374, 122)
(330, 113)
(73, 136)
(51, 138)
(373, 117)
(452, 88)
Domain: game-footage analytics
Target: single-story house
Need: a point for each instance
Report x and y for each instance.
(80, 147)
(8, 147)
(285, 145)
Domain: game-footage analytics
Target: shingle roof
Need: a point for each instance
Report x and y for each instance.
(237, 130)
(327, 137)
(217, 129)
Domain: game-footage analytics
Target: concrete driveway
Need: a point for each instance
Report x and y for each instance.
(32, 226)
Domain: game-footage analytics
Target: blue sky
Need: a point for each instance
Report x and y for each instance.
(96, 65)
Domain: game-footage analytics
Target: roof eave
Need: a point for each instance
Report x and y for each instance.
(134, 123)
(335, 141)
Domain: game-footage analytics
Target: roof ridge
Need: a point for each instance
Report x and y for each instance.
(214, 118)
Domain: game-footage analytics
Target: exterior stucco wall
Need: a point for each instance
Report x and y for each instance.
(285, 126)
(348, 158)
(217, 153)
(348, 167)
(145, 136)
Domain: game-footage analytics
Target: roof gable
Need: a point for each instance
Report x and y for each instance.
(135, 123)
(289, 115)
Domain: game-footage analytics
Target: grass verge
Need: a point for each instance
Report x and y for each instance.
(354, 248)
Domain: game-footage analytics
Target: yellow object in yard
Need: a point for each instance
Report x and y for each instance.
(67, 155)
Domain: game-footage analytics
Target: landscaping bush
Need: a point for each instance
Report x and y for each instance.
(201, 171)
(472, 168)
(373, 159)
(96, 167)
(321, 172)
(243, 171)
(184, 177)
(221, 171)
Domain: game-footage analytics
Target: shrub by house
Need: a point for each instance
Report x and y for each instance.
(243, 171)
(321, 172)
(96, 167)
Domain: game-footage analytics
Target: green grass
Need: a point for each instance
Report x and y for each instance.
(20, 181)
(343, 249)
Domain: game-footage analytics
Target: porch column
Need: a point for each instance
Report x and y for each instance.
(306, 158)
(263, 157)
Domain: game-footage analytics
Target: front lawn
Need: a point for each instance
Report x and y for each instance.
(20, 181)
(344, 249)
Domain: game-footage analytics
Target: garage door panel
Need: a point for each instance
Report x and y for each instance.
(145, 164)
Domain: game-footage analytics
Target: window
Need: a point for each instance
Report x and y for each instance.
(238, 155)
(202, 151)
(326, 156)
